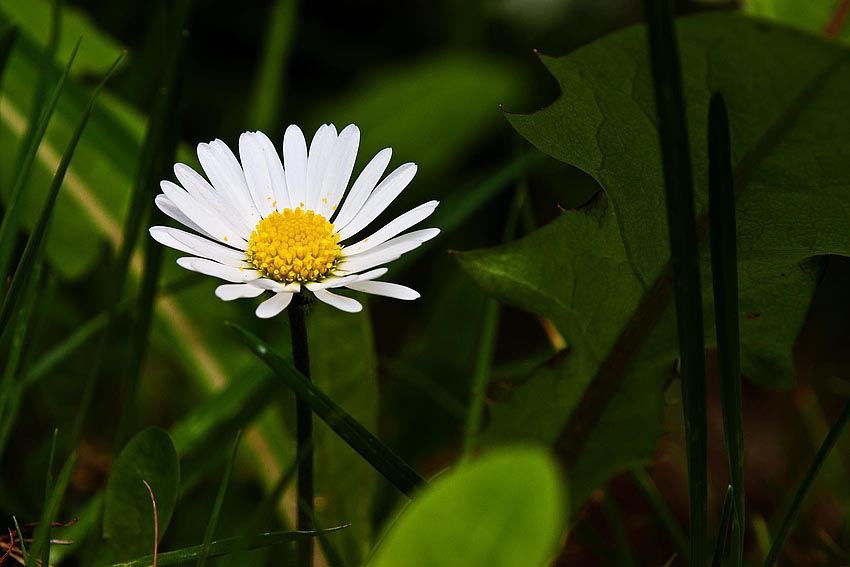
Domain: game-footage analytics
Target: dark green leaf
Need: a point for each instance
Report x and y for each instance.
(599, 273)
(128, 522)
(503, 510)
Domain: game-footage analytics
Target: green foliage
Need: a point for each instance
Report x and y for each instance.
(596, 272)
(128, 520)
(503, 510)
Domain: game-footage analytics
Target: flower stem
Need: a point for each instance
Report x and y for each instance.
(303, 431)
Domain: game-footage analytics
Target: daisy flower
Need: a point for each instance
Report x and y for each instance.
(283, 227)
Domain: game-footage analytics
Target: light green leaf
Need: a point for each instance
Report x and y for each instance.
(342, 363)
(128, 521)
(812, 15)
(601, 274)
(503, 510)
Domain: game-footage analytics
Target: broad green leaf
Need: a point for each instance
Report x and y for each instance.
(342, 363)
(503, 510)
(601, 274)
(128, 522)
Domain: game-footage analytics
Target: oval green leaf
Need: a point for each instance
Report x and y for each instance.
(128, 521)
(503, 510)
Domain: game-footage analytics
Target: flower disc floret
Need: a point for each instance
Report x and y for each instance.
(294, 246)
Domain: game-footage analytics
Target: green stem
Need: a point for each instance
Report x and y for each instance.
(303, 431)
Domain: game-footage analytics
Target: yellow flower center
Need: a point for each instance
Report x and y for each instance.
(294, 246)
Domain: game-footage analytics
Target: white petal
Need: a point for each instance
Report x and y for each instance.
(216, 270)
(342, 281)
(229, 292)
(363, 187)
(386, 289)
(200, 190)
(220, 229)
(340, 302)
(198, 245)
(388, 251)
(394, 228)
(271, 307)
(257, 174)
(226, 175)
(384, 194)
(318, 162)
(295, 165)
(275, 166)
(338, 174)
(271, 285)
(165, 205)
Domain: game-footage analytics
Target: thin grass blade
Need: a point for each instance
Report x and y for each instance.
(158, 151)
(622, 547)
(33, 248)
(41, 538)
(723, 528)
(223, 547)
(805, 485)
(395, 470)
(32, 140)
(662, 510)
(684, 252)
(219, 501)
(724, 271)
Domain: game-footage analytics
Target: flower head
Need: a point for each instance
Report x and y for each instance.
(283, 226)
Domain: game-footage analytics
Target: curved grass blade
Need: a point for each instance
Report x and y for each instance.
(219, 500)
(32, 139)
(665, 515)
(724, 272)
(723, 528)
(223, 547)
(684, 259)
(399, 473)
(800, 494)
(33, 248)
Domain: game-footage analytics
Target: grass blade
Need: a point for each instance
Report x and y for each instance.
(223, 547)
(41, 538)
(219, 500)
(723, 528)
(157, 156)
(684, 258)
(33, 248)
(623, 550)
(662, 511)
(264, 109)
(800, 494)
(724, 271)
(399, 473)
(31, 141)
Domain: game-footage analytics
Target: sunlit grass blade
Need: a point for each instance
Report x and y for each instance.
(805, 485)
(33, 247)
(32, 140)
(724, 271)
(662, 510)
(264, 108)
(395, 470)
(219, 501)
(684, 258)
(723, 527)
(223, 547)
(157, 156)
